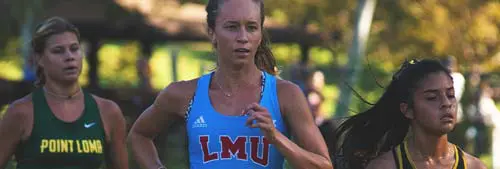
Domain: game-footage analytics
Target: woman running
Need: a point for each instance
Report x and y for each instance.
(240, 115)
(407, 127)
(59, 125)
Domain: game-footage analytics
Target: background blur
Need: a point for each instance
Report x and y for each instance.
(134, 48)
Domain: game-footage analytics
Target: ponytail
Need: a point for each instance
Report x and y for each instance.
(363, 136)
(40, 77)
(264, 58)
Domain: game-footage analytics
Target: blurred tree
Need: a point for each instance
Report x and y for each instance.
(10, 60)
(117, 68)
(15, 13)
(18, 20)
(323, 16)
(357, 52)
(466, 29)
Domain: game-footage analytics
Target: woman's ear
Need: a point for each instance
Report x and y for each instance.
(38, 60)
(213, 39)
(406, 110)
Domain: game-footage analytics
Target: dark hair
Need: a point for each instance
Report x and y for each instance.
(264, 58)
(44, 31)
(382, 127)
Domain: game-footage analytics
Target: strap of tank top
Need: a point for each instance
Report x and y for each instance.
(91, 105)
(406, 156)
(396, 158)
(262, 84)
(38, 99)
(191, 101)
(462, 164)
(400, 157)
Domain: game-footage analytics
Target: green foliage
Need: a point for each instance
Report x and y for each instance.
(463, 28)
(117, 64)
(321, 56)
(11, 164)
(10, 60)
(286, 54)
(3, 109)
(161, 75)
(331, 93)
(13, 14)
(188, 67)
(487, 159)
(193, 60)
(466, 29)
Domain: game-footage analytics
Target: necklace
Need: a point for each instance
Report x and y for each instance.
(262, 77)
(450, 151)
(62, 96)
(220, 87)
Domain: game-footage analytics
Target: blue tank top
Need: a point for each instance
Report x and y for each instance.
(219, 141)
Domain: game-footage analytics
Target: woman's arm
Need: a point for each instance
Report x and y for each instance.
(169, 106)
(118, 155)
(310, 150)
(12, 130)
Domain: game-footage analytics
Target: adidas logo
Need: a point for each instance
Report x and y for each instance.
(200, 122)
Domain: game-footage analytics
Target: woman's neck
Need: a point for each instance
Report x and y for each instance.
(60, 91)
(233, 78)
(429, 146)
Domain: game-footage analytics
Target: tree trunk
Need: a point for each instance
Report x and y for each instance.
(93, 61)
(365, 11)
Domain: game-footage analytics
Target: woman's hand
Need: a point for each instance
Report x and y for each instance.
(262, 119)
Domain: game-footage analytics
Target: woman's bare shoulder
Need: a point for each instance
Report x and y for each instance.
(473, 162)
(176, 96)
(21, 108)
(384, 161)
(18, 117)
(180, 90)
(108, 107)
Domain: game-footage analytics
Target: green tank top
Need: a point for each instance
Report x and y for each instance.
(56, 144)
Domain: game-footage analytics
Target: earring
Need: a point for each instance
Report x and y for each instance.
(214, 41)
